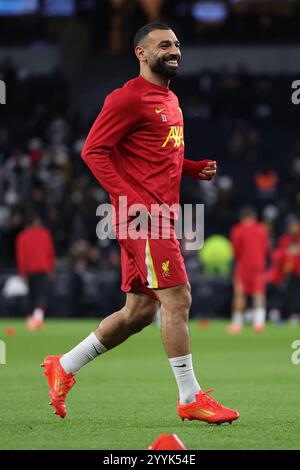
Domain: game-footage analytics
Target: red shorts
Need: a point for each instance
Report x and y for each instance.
(149, 263)
(250, 281)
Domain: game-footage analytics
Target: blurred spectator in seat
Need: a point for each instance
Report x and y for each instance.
(266, 181)
(17, 163)
(35, 150)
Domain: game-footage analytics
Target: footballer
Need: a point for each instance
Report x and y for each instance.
(135, 149)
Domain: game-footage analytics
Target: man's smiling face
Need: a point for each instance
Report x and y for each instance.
(162, 52)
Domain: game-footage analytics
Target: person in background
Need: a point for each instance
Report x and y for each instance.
(284, 271)
(250, 240)
(35, 256)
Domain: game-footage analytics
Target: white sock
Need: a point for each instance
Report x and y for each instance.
(259, 316)
(83, 353)
(237, 318)
(183, 371)
(38, 313)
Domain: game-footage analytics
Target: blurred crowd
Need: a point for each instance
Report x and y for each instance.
(238, 119)
(41, 170)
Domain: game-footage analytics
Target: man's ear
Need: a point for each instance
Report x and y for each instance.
(140, 53)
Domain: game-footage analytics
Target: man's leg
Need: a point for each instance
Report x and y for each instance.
(259, 301)
(138, 312)
(193, 403)
(175, 304)
(238, 307)
(259, 307)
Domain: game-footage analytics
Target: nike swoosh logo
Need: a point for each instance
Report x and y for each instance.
(159, 110)
(183, 365)
(97, 352)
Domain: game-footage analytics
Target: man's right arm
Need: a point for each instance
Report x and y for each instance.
(118, 116)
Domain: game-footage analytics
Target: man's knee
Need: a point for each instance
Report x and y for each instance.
(179, 302)
(142, 313)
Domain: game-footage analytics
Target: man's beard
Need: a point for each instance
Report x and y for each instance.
(162, 68)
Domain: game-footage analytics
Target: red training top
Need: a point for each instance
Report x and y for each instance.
(285, 260)
(250, 244)
(35, 252)
(136, 146)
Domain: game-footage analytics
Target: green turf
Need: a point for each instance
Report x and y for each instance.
(126, 398)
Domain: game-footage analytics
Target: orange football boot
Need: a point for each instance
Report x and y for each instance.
(259, 327)
(206, 409)
(60, 383)
(234, 329)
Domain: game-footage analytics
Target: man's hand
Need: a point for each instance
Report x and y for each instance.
(209, 171)
(202, 170)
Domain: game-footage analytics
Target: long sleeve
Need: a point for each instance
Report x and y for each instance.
(119, 115)
(192, 169)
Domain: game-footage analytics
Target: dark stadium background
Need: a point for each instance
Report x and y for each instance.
(59, 59)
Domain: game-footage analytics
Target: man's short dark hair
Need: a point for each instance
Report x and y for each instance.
(145, 30)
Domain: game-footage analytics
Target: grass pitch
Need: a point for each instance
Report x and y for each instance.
(126, 398)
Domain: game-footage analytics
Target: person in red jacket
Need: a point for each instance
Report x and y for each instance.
(135, 149)
(35, 256)
(250, 240)
(284, 272)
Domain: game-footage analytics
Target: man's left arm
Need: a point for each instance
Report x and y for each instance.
(201, 170)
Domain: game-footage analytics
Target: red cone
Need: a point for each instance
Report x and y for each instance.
(165, 442)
